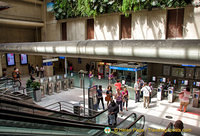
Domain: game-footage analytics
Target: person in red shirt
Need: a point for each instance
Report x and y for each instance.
(118, 85)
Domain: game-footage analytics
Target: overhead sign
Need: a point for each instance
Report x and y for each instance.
(50, 60)
(128, 69)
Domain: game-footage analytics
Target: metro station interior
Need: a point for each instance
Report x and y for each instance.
(52, 93)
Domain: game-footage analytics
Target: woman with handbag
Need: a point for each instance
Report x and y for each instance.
(118, 98)
(108, 97)
(184, 99)
(125, 97)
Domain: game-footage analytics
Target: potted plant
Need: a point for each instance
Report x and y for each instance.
(36, 91)
(28, 83)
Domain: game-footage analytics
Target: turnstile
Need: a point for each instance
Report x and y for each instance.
(58, 84)
(43, 86)
(51, 85)
(196, 98)
(171, 95)
(71, 83)
(160, 93)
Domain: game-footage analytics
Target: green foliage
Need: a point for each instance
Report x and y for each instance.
(35, 85)
(87, 8)
(28, 83)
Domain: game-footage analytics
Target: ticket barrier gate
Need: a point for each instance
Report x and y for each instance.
(196, 97)
(58, 84)
(171, 95)
(65, 84)
(51, 85)
(43, 86)
(160, 93)
(71, 83)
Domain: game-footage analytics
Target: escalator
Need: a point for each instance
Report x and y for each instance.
(26, 119)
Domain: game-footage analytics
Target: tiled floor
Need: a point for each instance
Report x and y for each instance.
(155, 116)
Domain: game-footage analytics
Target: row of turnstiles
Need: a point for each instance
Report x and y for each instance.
(55, 84)
(171, 92)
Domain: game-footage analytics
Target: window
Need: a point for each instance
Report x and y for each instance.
(175, 23)
(64, 33)
(90, 29)
(125, 27)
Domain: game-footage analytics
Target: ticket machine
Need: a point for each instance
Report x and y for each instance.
(171, 95)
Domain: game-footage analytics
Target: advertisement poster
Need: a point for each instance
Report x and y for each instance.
(24, 59)
(10, 59)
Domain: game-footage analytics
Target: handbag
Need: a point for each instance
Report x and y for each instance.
(107, 98)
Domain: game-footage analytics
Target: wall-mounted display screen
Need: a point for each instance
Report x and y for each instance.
(184, 82)
(23, 59)
(174, 81)
(197, 83)
(10, 59)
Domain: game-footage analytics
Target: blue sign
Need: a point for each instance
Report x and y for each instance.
(188, 65)
(48, 64)
(128, 69)
(61, 57)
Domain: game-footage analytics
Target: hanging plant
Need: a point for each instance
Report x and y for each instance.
(87, 8)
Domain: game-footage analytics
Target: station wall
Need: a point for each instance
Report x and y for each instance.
(35, 60)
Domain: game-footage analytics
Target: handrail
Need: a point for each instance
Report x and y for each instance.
(22, 115)
(85, 108)
(170, 125)
(42, 109)
(141, 116)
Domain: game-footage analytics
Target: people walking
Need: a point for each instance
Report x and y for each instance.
(125, 98)
(118, 85)
(151, 87)
(41, 71)
(137, 91)
(37, 71)
(113, 110)
(184, 99)
(100, 97)
(14, 74)
(118, 97)
(109, 94)
(18, 74)
(146, 93)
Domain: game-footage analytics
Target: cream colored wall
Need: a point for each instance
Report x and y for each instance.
(149, 25)
(22, 10)
(76, 30)
(107, 27)
(52, 30)
(191, 26)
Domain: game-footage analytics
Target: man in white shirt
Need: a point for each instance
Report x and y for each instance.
(137, 91)
(146, 93)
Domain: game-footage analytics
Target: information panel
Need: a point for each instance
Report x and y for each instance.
(10, 58)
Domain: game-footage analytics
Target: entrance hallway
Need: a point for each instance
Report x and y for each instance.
(155, 116)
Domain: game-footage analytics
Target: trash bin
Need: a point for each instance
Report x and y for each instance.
(37, 95)
(77, 109)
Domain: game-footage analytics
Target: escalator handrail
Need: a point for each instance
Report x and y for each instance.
(20, 115)
(26, 105)
(141, 116)
(168, 126)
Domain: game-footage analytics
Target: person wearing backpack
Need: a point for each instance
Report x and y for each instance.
(146, 93)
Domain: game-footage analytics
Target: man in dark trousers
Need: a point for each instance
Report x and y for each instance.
(113, 110)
